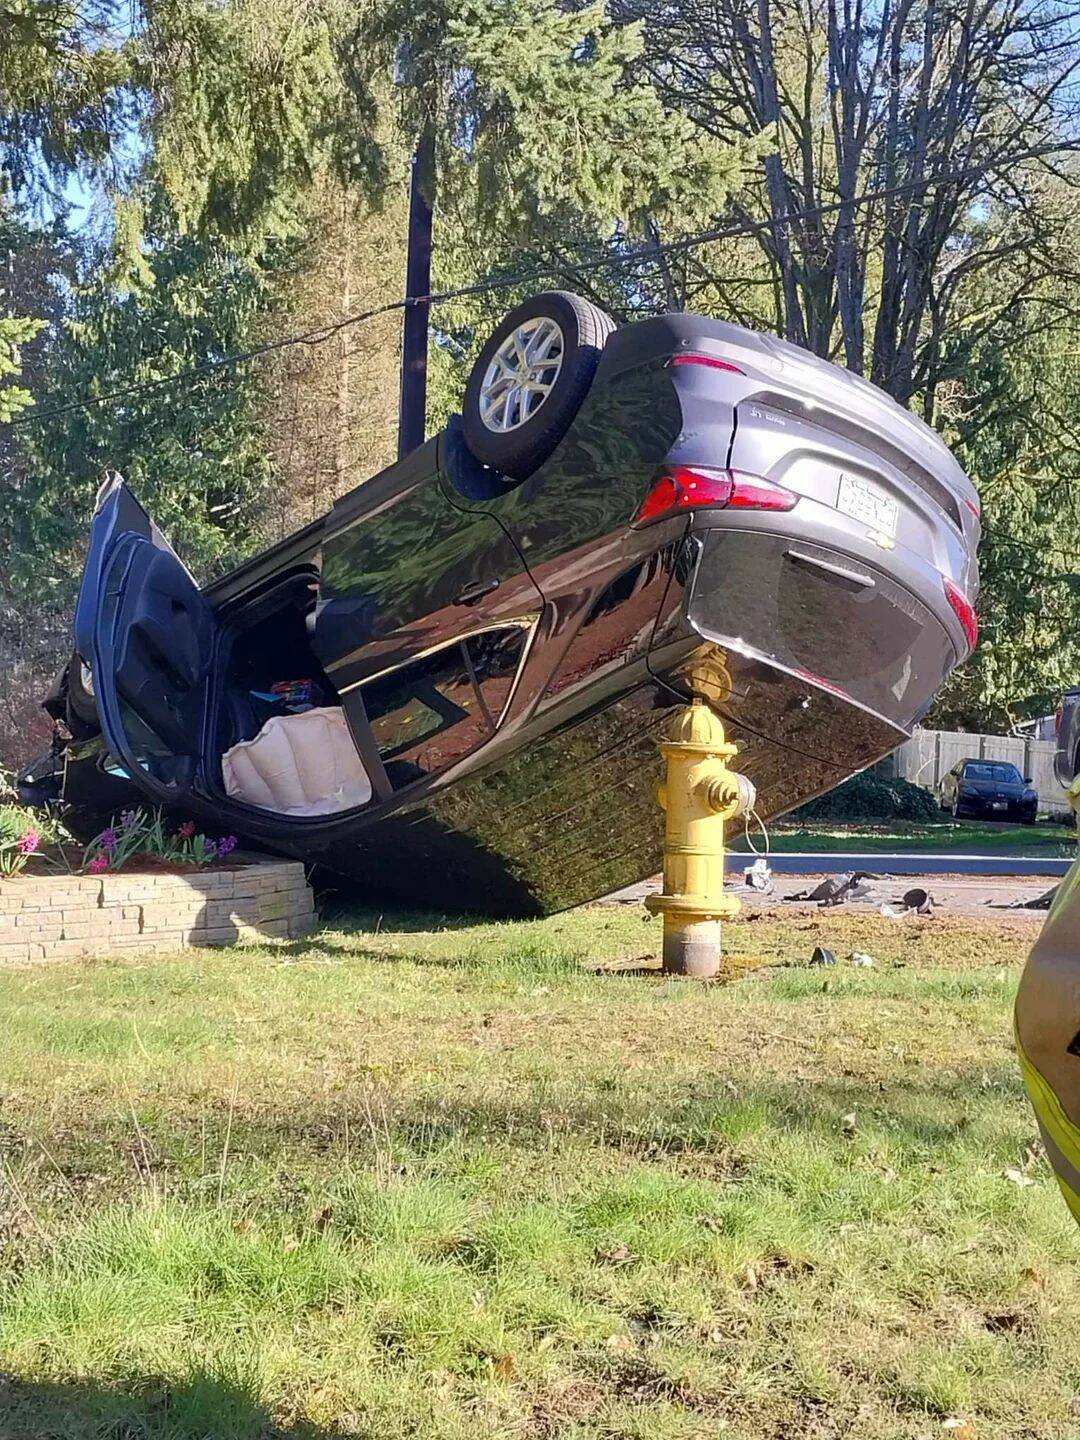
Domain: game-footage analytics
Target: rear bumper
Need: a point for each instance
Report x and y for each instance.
(823, 622)
(988, 809)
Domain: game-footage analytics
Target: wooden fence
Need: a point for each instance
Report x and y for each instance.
(930, 754)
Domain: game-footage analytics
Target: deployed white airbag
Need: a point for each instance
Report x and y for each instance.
(298, 765)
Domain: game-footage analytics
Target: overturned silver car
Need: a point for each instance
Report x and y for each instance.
(495, 629)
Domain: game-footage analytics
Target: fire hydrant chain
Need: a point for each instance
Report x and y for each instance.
(700, 794)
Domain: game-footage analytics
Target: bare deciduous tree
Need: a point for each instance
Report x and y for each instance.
(879, 97)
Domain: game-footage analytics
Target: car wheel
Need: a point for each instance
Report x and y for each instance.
(530, 379)
(82, 715)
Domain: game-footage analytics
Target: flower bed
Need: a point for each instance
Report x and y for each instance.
(155, 906)
(27, 841)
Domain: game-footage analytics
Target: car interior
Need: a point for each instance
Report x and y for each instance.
(270, 646)
(285, 741)
(282, 738)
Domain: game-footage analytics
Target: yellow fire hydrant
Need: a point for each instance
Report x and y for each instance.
(699, 796)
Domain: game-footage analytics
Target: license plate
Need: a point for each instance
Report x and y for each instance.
(999, 804)
(868, 503)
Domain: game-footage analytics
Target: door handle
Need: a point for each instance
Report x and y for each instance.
(476, 591)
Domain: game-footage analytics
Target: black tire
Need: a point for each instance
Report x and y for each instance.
(519, 452)
(82, 715)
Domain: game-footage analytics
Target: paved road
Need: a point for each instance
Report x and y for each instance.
(973, 885)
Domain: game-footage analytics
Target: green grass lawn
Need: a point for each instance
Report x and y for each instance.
(963, 837)
(399, 1181)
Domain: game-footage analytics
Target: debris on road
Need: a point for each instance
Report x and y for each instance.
(915, 901)
(951, 894)
(1035, 902)
(838, 889)
(919, 900)
(758, 876)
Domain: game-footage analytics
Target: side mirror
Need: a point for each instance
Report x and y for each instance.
(1028, 780)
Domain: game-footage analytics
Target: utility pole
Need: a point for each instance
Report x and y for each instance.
(414, 340)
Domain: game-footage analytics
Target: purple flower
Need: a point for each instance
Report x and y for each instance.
(97, 865)
(108, 840)
(30, 840)
(225, 846)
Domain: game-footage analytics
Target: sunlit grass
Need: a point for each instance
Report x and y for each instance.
(960, 836)
(428, 1178)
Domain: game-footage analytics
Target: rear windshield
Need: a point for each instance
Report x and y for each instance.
(833, 619)
(1001, 774)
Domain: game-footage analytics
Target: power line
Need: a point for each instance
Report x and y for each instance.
(646, 253)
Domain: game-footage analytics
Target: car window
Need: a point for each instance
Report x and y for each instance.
(432, 712)
(1001, 774)
(496, 656)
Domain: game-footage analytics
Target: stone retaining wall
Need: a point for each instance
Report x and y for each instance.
(49, 917)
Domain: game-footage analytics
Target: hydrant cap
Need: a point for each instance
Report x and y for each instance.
(698, 724)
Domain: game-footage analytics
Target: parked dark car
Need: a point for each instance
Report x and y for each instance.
(504, 620)
(1067, 755)
(988, 790)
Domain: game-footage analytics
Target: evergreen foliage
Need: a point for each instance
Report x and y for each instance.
(193, 452)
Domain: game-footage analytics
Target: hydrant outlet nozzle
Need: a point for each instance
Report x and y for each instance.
(730, 795)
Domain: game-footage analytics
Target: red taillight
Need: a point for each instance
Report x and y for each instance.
(683, 488)
(712, 361)
(1059, 715)
(686, 487)
(965, 613)
(748, 492)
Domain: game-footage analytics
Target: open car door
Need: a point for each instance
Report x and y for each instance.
(148, 637)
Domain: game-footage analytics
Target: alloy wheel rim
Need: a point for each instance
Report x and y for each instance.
(521, 375)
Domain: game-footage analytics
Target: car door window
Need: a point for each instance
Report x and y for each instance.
(430, 713)
(495, 657)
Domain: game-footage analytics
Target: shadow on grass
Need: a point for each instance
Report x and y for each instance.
(148, 1408)
(927, 1116)
(319, 948)
(922, 1115)
(343, 911)
(531, 957)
